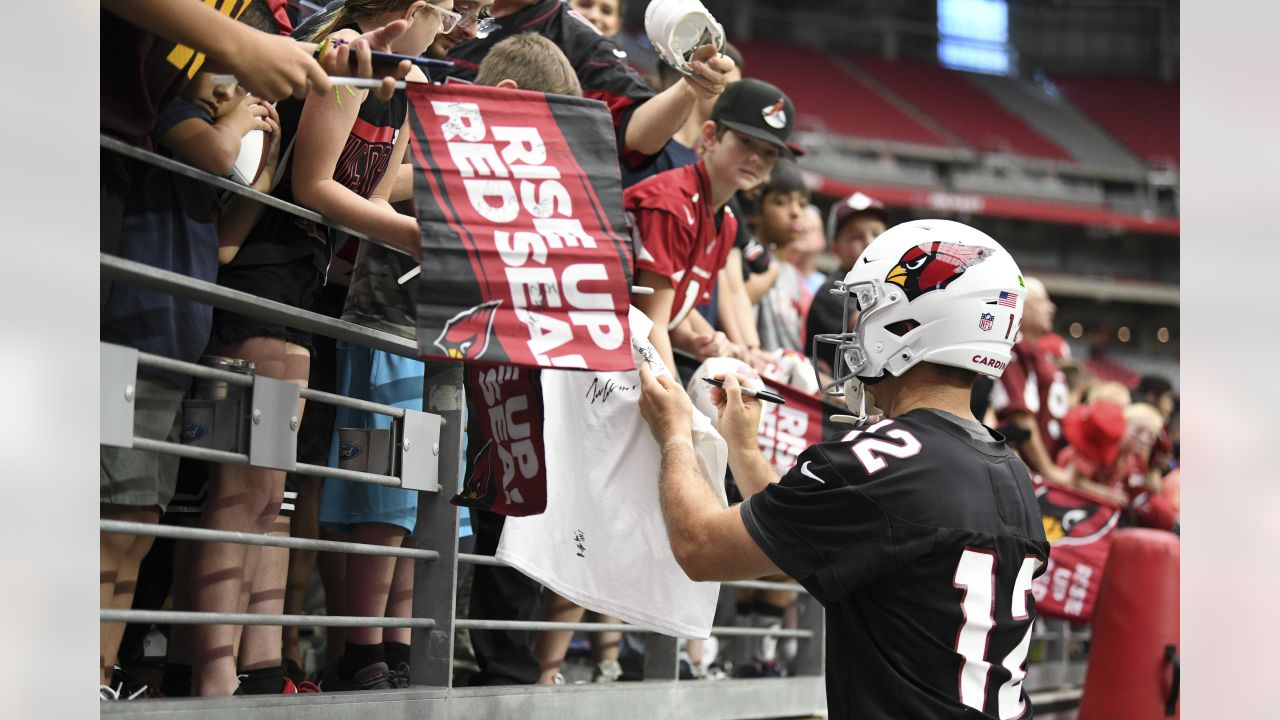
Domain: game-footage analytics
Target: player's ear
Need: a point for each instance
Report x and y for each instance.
(509, 84)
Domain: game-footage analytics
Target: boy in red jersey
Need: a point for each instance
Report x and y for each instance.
(683, 233)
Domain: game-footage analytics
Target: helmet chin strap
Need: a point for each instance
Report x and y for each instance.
(855, 398)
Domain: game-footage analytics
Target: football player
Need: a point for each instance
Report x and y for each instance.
(920, 533)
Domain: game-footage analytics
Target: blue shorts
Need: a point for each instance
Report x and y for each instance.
(380, 377)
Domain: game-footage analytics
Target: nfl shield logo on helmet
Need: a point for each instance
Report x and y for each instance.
(986, 321)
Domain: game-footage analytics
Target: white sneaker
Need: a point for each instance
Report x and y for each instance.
(607, 671)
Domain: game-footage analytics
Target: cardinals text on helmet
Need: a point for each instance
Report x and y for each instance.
(509, 182)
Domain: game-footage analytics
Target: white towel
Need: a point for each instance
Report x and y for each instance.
(602, 542)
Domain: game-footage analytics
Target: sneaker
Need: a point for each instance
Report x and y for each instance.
(126, 686)
(558, 679)
(688, 670)
(119, 692)
(607, 671)
(288, 689)
(400, 675)
(759, 669)
(306, 686)
(372, 677)
(294, 672)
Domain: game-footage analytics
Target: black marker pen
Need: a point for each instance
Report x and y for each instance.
(758, 394)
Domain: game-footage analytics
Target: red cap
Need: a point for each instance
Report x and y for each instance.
(1055, 345)
(1095, 430)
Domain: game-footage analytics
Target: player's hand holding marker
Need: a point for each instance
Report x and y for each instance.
(739, 413)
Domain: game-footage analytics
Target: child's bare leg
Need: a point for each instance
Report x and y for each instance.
(400, 604)
(119, 557)
(242, 499)
(551, 645)
(260, 646)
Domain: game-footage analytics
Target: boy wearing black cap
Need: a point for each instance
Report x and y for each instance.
(682, 232)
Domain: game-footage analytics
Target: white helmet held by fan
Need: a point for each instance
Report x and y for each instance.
(677, 28)
(925, 291)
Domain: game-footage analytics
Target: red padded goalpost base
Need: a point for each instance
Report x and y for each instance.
(1133, 659)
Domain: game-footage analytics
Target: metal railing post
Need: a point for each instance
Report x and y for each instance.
(434, 591)
(811, 655)
(661, 657)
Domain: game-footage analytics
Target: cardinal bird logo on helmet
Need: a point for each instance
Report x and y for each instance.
(933, 266)
(466, 335)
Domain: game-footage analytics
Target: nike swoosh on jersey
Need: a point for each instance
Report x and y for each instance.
(804, 470)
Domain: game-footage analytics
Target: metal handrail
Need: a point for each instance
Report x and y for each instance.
(222, 183)
(174, 617)
(544, 625)
(745, 584)
(232, 458)
(178, 532)
(160, 362)
(236, 301)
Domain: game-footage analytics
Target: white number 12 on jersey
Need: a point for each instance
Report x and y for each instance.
(869, 451)
(976, 575)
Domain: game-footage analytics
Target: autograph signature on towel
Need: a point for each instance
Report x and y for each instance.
(600, 391)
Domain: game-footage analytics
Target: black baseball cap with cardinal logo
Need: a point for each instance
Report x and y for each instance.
(759, 110)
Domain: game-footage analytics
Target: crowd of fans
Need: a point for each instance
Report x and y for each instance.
(190, 80)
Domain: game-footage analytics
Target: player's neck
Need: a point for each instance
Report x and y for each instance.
(951, 399)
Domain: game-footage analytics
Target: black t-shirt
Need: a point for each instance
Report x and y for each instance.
(286, 258)
(921, 542)
(826, 314)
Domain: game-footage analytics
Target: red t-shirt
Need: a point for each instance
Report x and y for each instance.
(1033, 383)
(678, 235)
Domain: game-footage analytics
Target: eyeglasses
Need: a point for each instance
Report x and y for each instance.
(483, 22)
(448, 18)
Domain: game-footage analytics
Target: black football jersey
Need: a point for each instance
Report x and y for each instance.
(921, 542)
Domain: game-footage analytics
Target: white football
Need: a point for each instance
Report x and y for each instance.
(252, 158)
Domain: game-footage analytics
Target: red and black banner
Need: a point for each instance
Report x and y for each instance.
(504, 442)
(1080, 528)
(524, 256)
(789, 429)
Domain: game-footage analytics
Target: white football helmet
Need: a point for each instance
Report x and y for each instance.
(677, 28)
(961, 291)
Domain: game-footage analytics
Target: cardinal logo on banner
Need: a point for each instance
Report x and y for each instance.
(1079, 528)
(466, 335)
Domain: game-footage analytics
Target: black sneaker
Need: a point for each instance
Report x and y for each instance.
(400, 675)
(760, 669)
(125, 686)
(372, 677)
(293, 672)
